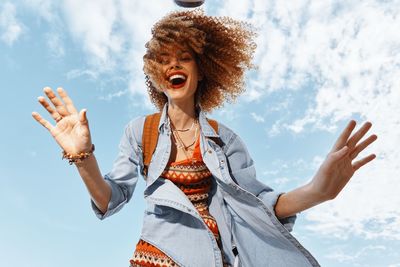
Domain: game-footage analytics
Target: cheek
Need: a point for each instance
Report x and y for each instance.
(195, 74)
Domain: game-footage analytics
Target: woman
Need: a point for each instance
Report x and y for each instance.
(205, 206)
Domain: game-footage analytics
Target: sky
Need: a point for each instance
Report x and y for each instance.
(320, 64)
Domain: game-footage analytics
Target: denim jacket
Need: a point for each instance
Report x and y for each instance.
(242, 206)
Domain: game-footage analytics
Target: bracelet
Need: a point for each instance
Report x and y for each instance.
(77, 158)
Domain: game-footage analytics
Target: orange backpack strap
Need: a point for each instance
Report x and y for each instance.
(214, 124)
(149, 138)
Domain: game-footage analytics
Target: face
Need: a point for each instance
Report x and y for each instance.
(180, 72)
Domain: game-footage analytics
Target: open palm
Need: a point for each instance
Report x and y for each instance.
(71, 130)
(340, 164)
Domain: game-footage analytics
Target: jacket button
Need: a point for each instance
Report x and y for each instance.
(210, 151)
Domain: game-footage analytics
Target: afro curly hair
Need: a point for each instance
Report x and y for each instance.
(223, 49)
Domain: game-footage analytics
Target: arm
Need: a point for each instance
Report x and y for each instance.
(332, 176)
(72, 133)
(99, 190)
(116, 189)
(295, 201)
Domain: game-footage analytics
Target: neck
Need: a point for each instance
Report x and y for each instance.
(181, 114)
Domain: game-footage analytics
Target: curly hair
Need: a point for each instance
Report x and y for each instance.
(223, 49)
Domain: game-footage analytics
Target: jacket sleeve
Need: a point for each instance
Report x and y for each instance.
(242, 170)
(124, 174)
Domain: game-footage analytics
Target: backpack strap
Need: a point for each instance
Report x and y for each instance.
(149, 139)
(214, 124)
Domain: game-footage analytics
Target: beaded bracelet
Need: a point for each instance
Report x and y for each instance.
(77, 158)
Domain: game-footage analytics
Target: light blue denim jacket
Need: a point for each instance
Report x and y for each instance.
(242, 206)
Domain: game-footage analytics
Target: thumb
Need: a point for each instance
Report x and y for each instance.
(82, 117)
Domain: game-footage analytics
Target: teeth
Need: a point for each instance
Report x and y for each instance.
(177, 76)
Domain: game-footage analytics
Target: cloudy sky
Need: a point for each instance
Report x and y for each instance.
(320, 64)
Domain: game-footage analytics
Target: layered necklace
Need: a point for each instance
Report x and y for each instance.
(178, 140)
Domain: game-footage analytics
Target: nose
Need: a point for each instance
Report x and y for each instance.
(175, 64)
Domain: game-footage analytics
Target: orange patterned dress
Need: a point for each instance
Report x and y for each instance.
(194, 179)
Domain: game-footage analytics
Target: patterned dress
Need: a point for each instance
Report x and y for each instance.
(194, 179)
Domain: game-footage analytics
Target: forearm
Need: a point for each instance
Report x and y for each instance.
(98, 188)
(297, 200)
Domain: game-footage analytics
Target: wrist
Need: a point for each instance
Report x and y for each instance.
(316, 195)
(78, 158)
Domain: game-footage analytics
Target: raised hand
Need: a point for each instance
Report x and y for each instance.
(71, 130)
(340, 164)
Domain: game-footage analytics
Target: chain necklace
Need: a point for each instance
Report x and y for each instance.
(181, 145)
(185, 130)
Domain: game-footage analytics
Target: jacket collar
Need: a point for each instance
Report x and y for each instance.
(205, 127)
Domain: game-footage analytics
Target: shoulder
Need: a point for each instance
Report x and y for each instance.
(136, 123)
(234, 148)
(225, 132)
(227, 136)
(134, 128)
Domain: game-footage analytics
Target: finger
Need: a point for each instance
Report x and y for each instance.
(341, 141)
(82, 117)
(42, 121)
(67, 100)
(338, 155)
(61, 109)
(358, 164)
(359, 134)
(56, 116)
(360, 147)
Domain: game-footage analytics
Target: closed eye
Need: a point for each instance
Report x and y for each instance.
(186, 59)
(164, 61)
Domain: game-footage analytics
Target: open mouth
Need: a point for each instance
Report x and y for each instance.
(177, 79)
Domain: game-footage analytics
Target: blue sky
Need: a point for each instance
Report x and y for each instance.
(320, 64)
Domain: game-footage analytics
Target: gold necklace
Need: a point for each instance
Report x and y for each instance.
(185, 130)
(181, 145)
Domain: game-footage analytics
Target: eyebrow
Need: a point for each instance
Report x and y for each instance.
(167, 53)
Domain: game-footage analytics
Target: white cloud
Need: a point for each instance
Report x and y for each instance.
(49, 12)
(275, 129)
(256, 117)
(94, 23)
(75, 73)
(10, 28)
(341, 256)
(114, 95)
(46, 9)
(55, 45)
(114, 33)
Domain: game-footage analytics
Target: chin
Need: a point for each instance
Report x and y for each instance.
(179, 96)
